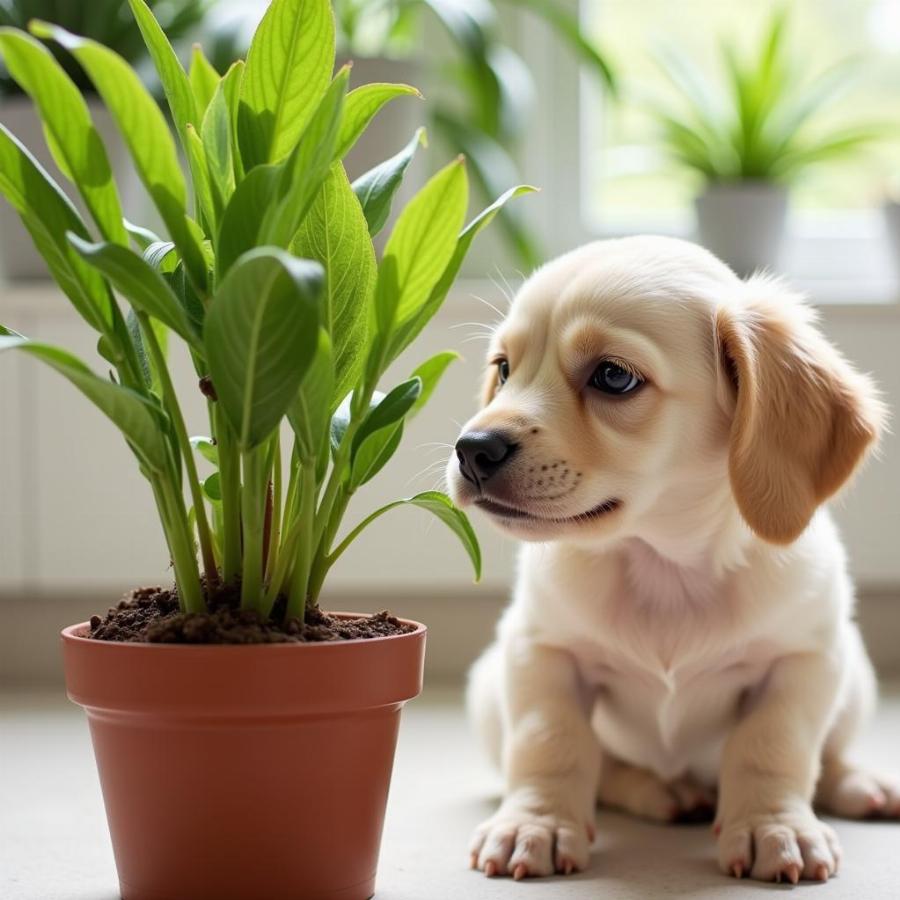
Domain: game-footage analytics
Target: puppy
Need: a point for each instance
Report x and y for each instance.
(661, 436)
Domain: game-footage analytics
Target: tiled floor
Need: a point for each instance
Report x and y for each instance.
(54, 846)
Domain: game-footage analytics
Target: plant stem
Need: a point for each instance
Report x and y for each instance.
(296, 606)
(187, 575)
(274, 510)
(173, 408)
(253, 503)
(230, 481)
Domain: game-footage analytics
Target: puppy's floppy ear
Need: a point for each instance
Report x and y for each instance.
(489, 384)
(802, 417)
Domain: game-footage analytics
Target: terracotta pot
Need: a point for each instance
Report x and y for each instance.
(743, 223)
(255, 772)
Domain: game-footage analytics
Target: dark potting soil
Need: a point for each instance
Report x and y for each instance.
(152, 615)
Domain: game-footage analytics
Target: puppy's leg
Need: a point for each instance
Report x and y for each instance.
(483, 701)
(847, 789)
(642, 793)
(770, 765)
(550, 760)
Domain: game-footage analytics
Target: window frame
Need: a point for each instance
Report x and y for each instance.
(839, 257)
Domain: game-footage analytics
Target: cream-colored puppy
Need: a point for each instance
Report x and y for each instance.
(662, 435)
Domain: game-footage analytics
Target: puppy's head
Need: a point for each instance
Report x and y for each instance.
(640, 381)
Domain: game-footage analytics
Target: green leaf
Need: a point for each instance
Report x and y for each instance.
(381, 431)
(310, 412)
(144, 129)
(212, 487)
(362, 105)
(375, 189)
(161, 256)
(72, 137)
(243, 217)
(389, 410)
(492, 168)
(140, 283)
(288, 68)
(141, 236)
(437, 504)
(341, 418)
(216, 132)
(408, 331)
(374, 454)
(177, 88)
(206, 447)
(204, 80)
(306, 168)
(422, 244)
(49, 215)
(149, 368)
(335, 234)
(210, 209)
(429, 373)
(134, 416)
(232, 80)
(261, 335)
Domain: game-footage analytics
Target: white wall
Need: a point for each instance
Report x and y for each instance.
(93, 524)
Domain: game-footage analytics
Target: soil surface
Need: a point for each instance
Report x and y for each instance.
(152, 615)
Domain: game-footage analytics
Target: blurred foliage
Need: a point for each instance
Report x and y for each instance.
(486, 114)
(762, 124)
(108, 21)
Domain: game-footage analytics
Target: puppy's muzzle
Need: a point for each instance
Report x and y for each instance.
(482, 454)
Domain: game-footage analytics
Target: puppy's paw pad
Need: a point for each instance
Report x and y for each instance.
(783, 848)
(860, 794)
(526, 845)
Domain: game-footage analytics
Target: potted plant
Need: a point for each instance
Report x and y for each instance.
(110, 23)
(890, 208)
(750, 142)
(244, 738)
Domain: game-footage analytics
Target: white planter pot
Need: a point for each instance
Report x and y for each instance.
(743, 223)
(891, 212)
(18, 258)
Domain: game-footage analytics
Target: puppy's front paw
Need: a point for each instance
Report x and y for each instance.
(779, 846)
(528, 843)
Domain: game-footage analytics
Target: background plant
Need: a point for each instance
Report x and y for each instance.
(107, 21)
(270, 279)
(486, 113)
(767, 123)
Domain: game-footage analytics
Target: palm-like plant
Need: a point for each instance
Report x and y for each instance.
(762, 126)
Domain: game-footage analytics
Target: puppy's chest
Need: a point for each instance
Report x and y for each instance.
(667, 673)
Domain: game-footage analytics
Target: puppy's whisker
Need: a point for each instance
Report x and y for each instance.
(488, 304)
(475, 325)
(508, 290)
(434, 446)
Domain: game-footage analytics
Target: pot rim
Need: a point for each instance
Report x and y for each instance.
(75, 634)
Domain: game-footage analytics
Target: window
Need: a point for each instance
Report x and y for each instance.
(620, 182)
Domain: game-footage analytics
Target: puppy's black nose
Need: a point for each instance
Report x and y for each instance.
(482, 453)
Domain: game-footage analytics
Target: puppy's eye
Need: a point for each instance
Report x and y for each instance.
(502, 370)
(613, 378)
